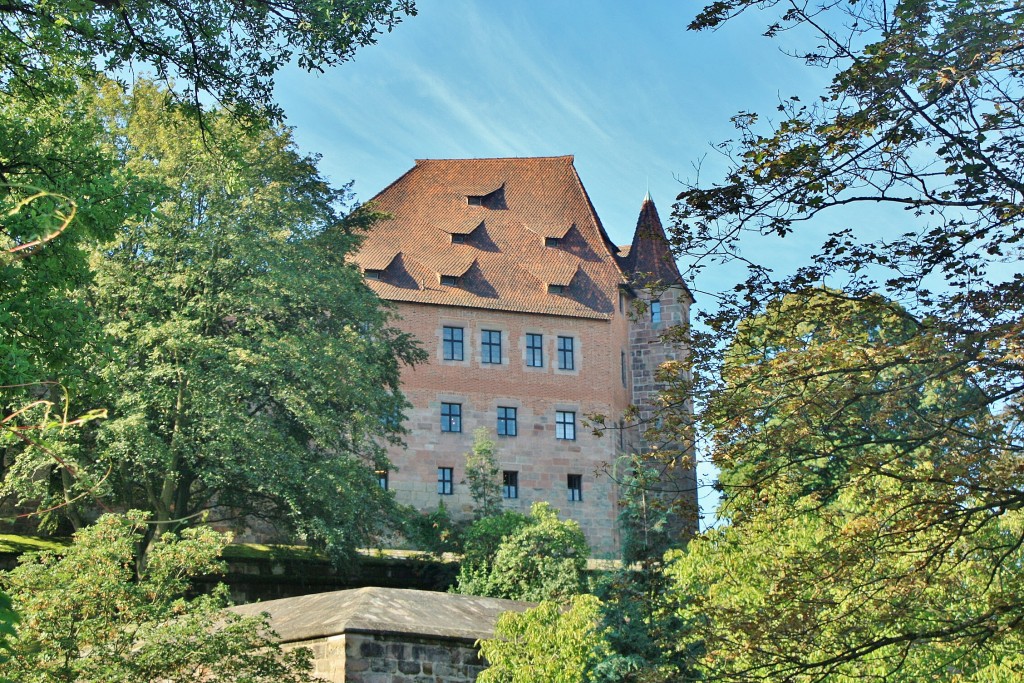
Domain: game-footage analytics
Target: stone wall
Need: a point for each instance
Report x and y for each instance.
(393, 658)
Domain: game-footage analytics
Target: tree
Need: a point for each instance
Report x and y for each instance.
(547, 643)
(228, 50)
(482, 472)
(88, 617)
(540, 558)
(250, 373)
(924, 421)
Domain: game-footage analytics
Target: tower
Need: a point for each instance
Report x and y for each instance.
(659, 356)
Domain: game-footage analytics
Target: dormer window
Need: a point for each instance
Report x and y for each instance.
(373, 274)
(475, 200)
(458, 239)
(450, 280)
(556, 289)
(552, 241)
(495, 199)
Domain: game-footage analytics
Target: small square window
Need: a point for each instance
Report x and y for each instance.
(490, 347)
(565, 425)
(566, 354)
(507, 423)
(382, 479)
(575, 487)
(535, 350)
(655, 311)
(452, 343)
(444, 481)
(451, 417)
(509, 484)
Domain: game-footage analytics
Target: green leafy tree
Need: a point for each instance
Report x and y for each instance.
(482, 474)
(548, 643)
(865, 465)
(541, 559)
(89, 617)
(230, 51)
(251, 374)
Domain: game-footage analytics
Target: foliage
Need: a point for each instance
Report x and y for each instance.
(869, 434)
(483, 540)
(230, 51)
(434, 532)
(543, 559)
(8, 620)
(547, 643)
(87, 615)
(482, 474)
(250, 372)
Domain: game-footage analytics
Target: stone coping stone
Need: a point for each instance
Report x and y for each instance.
(374, 610)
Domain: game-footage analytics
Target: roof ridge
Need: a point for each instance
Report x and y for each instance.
(570, 157)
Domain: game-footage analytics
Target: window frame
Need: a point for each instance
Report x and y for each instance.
(383, 480)
(565, 425)
(510, 484)
(445, 481)
(566, 352)
(451, 420)
(656, 311)
(449, 344)
(534, 353)
(505, 420)
(574, 493)
(488, 346)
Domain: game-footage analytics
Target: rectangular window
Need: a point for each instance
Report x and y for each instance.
(622, 364)
(575, 482)
(566, 355)
(507, 421)
(382, 479)
(453, 343)
(556, 289)
(535, 350)
(655, 311)
(458, 239)
(451, 417)
(491, 347)
(450, 280)
(444, 481)
(509, 484)
(565, 425)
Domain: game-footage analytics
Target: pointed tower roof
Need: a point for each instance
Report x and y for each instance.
(650, 259)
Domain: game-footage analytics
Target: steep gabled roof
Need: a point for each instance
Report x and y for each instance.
(649, 260)
(502, 210)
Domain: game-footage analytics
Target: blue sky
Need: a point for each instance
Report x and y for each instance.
(622, 86)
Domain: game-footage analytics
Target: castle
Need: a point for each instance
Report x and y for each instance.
(533, 320)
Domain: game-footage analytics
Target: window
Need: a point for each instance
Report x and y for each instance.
(444, 481)
(458, 239)
(551, 241)
(507, 425)
(382, 479)
(475, 200)
(452, 343)
(491, 349)
(566, 357)
(535, 350)
(509, 484)
(373, 274)
(575, 486)
(556, 289)
(565, 425)
(655, 311)
(451, 417)
(450, 280)
(622, 363)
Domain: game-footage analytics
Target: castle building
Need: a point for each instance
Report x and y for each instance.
(534, 322)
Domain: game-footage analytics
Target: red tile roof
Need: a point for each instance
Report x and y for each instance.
(504, 263)
(649, 259)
